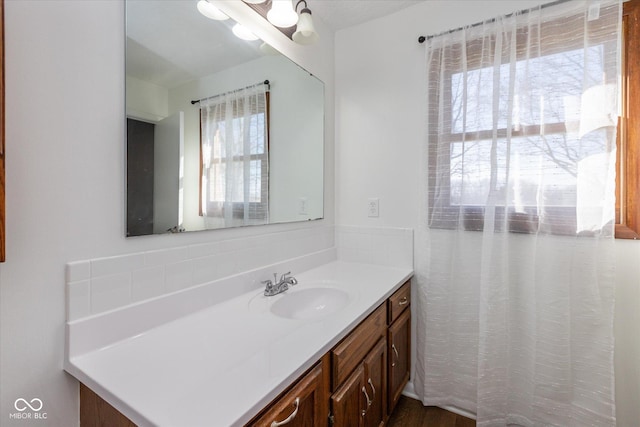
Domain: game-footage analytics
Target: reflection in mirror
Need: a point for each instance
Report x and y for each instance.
(245, 153)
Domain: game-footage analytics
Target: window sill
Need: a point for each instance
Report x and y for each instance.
(624, 232)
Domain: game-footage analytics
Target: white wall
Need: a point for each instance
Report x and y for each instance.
(65, 196)
(380, 125)
(146, 101)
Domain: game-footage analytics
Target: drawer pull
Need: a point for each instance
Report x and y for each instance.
(395, 350)
(373, 389)
(364, 390)
(403, 301)
(290, 417)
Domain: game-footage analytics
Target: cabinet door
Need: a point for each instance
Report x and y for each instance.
(399, 347)
(304, 405)
(348, 403)
(375, 378)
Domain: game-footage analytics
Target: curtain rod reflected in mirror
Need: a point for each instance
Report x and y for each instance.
(266, 82)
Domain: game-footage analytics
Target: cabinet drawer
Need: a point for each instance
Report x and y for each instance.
(399, 301)
(305, 404)
(350, 352)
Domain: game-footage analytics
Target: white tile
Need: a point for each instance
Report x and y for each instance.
(226, 264)
(165, 256)
(79, 270)
(78, 302)
(348, 254)
(252, 258)
(179, 275)
(147, 283)
(380, 242)
(109, 292)
(292, 249)
(116, 265)
(365, 241)
(232, 245)
(204, 269)
(204, 250)
(350, 240)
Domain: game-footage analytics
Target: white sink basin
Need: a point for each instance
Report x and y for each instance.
(311, 303)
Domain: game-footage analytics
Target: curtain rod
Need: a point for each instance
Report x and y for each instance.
(421, 39)
(266, 82)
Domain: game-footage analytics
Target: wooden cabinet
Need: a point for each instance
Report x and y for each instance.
(375, 378)
(361, 399)
(371, 366)
(352, 350)
(304, 404)
(348, 405)
(399, 343)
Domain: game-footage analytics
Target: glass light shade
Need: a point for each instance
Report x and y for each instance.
(242, 33)
(254, 1)
(305, 32)
(210, 11)
(282, 14)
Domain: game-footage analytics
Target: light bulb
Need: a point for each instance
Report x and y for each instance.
(282, 14)
(210, 11)
(242, 33)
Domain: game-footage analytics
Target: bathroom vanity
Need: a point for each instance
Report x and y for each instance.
(253, 360)
(359, 381)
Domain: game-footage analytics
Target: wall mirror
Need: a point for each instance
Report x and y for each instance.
(244, 153)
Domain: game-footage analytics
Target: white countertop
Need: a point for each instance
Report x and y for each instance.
(220, 366)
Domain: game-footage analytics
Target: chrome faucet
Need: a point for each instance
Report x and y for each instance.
(276, 286)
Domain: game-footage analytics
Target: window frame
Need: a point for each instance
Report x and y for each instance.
(527, 222)
(628, 142)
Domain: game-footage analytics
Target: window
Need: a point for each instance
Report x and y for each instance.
(628, 162)
(517, 127)
(234, 154)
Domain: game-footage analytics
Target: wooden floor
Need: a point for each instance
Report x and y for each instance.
(411, 413)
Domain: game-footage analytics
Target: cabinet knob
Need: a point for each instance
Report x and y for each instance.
(296, 404)
(403, 301)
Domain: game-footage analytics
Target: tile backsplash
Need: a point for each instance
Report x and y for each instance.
(375, 245)
(103, 284)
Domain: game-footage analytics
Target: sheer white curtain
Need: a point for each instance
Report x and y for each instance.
(515, 268)
(235, 158)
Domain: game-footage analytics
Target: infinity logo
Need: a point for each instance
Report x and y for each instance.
(22, 405)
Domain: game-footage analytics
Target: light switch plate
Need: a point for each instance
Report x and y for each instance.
(302, 206)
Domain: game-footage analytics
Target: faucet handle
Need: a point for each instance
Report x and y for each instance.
(284, 276)
(268, 283)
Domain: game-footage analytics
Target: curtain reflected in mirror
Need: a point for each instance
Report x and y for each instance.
(235, 159)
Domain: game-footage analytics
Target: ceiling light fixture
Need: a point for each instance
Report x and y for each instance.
(282, 14)
(305, 31)
(210, 11)
(254, 1)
